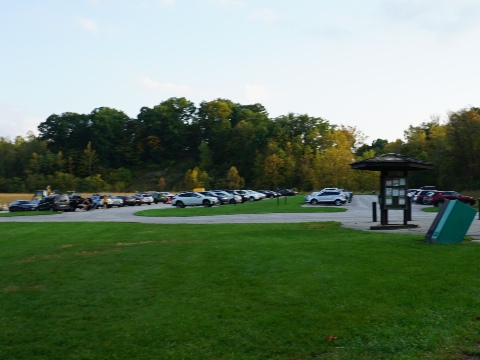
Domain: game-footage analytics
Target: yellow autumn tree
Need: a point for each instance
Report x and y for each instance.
(196, 178)
(335, 170)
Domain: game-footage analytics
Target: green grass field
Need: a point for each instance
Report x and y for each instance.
(285, 205)
(243, 291)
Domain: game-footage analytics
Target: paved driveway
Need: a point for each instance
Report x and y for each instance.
(358, 216)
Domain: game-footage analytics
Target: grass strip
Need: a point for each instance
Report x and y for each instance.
(27, 213)
(293, 205)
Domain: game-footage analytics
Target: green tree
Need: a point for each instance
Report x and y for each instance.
(88, 160)
(110, 137)
(463, 148)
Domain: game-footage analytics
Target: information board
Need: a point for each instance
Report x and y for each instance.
(395, 193)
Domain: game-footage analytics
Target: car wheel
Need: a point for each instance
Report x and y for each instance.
(338, 202)
(251, 198)
(179, 204)
(314, 202)
(206, 203)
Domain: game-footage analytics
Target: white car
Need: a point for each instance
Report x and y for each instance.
(190, 198)
(115, 201)
(146, 198)
(232, 198)
(250, 195)
(327, 197)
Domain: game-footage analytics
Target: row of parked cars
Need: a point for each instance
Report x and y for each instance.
(221, 197)
(438, 197)
(72, 201)
(334, 196)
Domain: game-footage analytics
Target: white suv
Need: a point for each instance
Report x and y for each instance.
(193, 199)
(328, 197)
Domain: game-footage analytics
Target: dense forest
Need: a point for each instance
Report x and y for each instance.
(221, 144)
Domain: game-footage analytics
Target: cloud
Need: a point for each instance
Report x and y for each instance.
(265, 15)
(257, 93)
(154, 85)
(88, 24)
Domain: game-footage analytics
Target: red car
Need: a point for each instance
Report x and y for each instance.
(439, 197)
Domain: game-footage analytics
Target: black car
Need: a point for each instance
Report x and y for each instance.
(18, 205)
(287, 192)
(38, 205)
(269, 193)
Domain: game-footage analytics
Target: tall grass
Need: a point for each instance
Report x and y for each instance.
(243, 291)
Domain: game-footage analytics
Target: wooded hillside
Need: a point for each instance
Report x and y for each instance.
(221, 144)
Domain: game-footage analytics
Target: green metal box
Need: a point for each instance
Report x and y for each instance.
(451, 223)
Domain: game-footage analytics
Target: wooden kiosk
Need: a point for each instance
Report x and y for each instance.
(393, 169)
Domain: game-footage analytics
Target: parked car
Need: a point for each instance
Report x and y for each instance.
(58, 202)
(418, 197)
(348, 194)
(190, 198)
(76, 200)
(327, 197)
(270, 194)
(232, 198)
(159, 197)
(127, 200)
(18, 205)
(146, 198)
(257, 193)
(237, 193)
(250, 195)
(222, 199)
(38, 205)
(287, 192)
(427, 198)
(98, 201)
(116, 201)
(439, 197)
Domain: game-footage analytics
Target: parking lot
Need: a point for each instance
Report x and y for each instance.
(358, 216)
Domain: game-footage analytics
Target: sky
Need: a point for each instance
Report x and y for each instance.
(379, 66)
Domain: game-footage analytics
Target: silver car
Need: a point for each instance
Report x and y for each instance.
(326, 197)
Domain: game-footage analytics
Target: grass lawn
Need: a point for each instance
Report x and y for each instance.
(285, 205)
(234, 291)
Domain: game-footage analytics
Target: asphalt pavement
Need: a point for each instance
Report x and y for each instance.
(359, 216)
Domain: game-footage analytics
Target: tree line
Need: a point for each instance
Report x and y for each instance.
(221, 144)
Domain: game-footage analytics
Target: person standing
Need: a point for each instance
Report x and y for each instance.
(105, 201)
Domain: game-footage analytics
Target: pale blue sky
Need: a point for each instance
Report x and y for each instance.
(378, 65)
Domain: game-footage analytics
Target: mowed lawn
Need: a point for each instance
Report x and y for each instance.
(243, 291)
